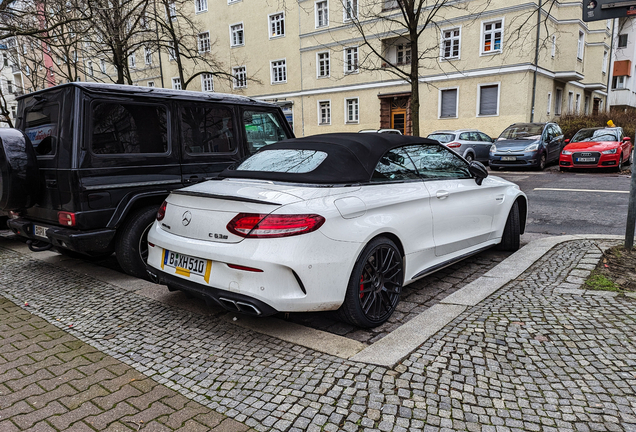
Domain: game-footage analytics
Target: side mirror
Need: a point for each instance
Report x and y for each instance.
(478, 170)
(567, 141)
(627, 139)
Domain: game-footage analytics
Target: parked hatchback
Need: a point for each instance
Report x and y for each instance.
(527, 145)
(597, 148)
(89, 164)
(469, 143)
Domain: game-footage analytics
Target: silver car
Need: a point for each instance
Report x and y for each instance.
(470, 143)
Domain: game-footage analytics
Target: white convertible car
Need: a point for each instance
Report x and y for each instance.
(326, 222)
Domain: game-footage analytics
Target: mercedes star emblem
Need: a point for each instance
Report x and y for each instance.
(187, 217)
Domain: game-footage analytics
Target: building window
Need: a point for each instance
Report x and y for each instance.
(489, 100)
(151, 83)
(450, 43)
(207, 82)
(27, 70)
(176, 83)
(236, 35)
(172, 11)
(570, 102)
(240, 77)
(578, 103)
(604, 68)
(89, 66)
(102, 65)
(549, 102)
(9, 86)
(148, 55)
(322, 64)
(581, 46)
(131, 59)
(558, 102)
(172, 54)
(448, 103)
(279, 71)
(322, 13)
(586, 107)
(324, 112)
(622, 41)
(74, 56)
(200, 5)
(351, 60)
(553, 45)
(203, 40)
(491, 37)
(350, 10)
(277, 25)
(619, 82)
(403, 53)
(352, 113)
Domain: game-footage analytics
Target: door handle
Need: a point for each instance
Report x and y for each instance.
(193, 179)
(442, 194)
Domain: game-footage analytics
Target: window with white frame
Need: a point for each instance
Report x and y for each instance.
(324, 112)
(74, 56)
(237, 35)
(558, 101)
(203, 42)
(619, 82)
(350, 10)
(200, 5)
(403, 53)
(240, 77)
(488, 100)
(549, 102)
(570, 102)
(9, 86)
(148, 55)
(172, 54)
(352, 110)
(492, 35)
(586, 106)
(622, 41)
(553, 45)
(151, 83)
(322, 13)
(176, 83)
(89, 67)
(450, 43)
(581, 46)
(132, 61)
(577, 105)
(27, 70)
(172, 11)
(448, 103)
(351, 59)
(604, 68)
(279, 71)
(102, 65)
(277, 25)
(207, 82)
(322, 64)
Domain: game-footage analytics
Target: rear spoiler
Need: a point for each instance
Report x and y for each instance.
(223, 197)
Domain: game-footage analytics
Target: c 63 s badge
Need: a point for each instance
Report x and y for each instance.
(218, 236)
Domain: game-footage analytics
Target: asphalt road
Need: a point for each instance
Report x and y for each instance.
(587, 202)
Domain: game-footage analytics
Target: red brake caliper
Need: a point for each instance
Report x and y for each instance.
(361, 286)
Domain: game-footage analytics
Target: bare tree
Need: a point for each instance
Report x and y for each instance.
(390, 25)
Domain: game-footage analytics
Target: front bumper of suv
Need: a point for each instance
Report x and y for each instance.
(92, 241)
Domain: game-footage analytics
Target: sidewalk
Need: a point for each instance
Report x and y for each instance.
(539, 354)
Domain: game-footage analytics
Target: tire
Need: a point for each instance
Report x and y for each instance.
(131, 247)
(373, 293)
(19, 174)
(469, 157)
(630, 160)
(512, 232)
(619, 167)
(542, 162)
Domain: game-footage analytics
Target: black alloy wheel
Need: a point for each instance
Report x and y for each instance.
(375, 285)
(619, 167)
(542, 162)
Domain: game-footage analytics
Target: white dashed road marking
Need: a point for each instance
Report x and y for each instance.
(581, 190)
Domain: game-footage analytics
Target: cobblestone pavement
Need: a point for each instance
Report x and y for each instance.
(539, 355)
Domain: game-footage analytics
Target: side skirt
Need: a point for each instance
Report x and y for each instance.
(445, 264)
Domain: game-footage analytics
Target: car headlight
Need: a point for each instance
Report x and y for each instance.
(567, 152)
(493, 148)
(612, 151)
(532, 147)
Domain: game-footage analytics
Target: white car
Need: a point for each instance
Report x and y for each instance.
(335, 221)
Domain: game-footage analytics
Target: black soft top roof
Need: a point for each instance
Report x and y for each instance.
(351, 157)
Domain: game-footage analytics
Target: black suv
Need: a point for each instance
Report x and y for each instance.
(89, 164)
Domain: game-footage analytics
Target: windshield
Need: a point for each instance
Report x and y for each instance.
(442, 137)
(522, 132)
(595, 135)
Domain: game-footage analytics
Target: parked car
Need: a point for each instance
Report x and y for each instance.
(389, 131)
(89, 164)
(597, 148)
(527, 145)
(331, 222)
(469, 143)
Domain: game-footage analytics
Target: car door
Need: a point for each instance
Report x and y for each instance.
(462, 211)
(485, 142)
(556, 141)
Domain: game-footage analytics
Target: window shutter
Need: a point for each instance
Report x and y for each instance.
(449, 103)
(488, 100)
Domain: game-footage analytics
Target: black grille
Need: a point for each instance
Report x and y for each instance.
(595, 155)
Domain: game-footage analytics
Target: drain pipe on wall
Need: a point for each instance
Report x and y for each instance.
(300, 54)
(610, 70)
(536, 63)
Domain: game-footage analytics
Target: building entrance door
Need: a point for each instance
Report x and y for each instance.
(398, 114)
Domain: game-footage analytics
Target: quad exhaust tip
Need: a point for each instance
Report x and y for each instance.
(239, 306)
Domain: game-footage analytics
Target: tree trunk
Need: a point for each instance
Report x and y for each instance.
(415, 87)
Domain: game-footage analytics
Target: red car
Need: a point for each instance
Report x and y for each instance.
(597, 148)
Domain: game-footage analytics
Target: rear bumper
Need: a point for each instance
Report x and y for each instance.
(78, 241)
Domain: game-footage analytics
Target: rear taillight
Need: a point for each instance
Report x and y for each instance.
(453, 145)
(66, 218)
(161, 213)
(252, 225)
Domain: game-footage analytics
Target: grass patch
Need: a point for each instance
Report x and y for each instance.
(601, 283)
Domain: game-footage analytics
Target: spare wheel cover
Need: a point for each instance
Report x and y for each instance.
(19, 179)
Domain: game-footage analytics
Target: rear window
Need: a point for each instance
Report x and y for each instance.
(127, 128)
(41, 126)
(284, 161)
(443, 138)
(262, 128)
